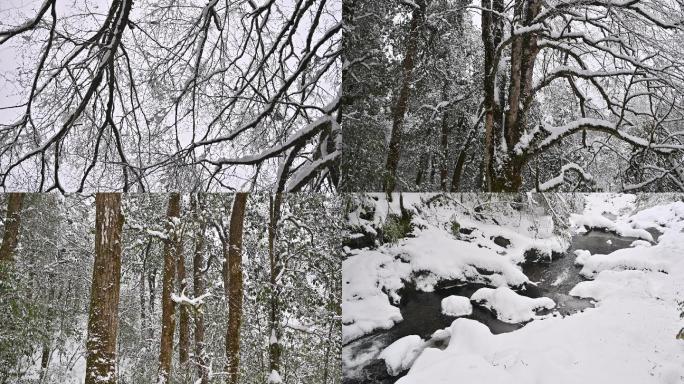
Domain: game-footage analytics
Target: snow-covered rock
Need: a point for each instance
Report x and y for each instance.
(510, 306)
(602, 222)
(628, 338)
(400, 355)
(456, 306)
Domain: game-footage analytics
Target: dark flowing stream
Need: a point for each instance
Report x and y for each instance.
(422, 313)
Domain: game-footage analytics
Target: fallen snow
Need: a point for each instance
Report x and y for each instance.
(274, 378)
(510, 306)
(601, 222)
(628, 338)
(400, 355)
(372, 277)
(456, 306)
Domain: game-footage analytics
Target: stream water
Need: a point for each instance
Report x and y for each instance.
(421, 311)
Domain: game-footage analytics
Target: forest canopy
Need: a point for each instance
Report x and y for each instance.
(513, 95)
(195, 95)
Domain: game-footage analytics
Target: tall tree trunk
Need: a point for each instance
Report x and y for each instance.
(492, 33)
(184, 319)
(171, 252)
(509, 123)
(151, 284)
(399, 112)
(142, 297)
(460, 161)
(444, 156)
(104, 297)
(274, 346)
(10, 238)
(234, 260)
(44, 361)
(198, 288)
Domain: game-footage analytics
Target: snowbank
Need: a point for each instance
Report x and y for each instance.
(400, 355)
(628, 338)
(456, 306)
(363, 316)
(509, 306)
(449, 242)
(602, 222)
(622, 259)
(365, 305)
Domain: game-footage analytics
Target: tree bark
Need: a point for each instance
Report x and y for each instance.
(492, 33)
(235, 292)
(199, 288)
(104, 297)
(151, 283)
(444, 156)
(10, 238)
(142, 297)
(400, 108)
(184, 318)
(274, 346)
(506, 175)
(171, 252)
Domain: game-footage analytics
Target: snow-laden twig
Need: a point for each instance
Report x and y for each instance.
(560, 179)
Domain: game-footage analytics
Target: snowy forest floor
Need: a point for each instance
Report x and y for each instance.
(596, 301)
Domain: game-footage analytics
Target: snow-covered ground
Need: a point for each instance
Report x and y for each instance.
(629, 337)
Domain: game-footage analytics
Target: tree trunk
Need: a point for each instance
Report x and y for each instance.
(274, 347)
(198, 288)
(492, 32)
(44, 361)
(460, 162)
(234, 260)
(400, 108)
(143, 277)
(444, 156)
(152, 283)
(171, 252)
(506, 176)
(184, 319)
(10, 238)
(104, 297)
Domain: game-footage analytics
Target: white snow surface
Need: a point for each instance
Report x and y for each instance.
(274, 377)
(621, 228)
(510, 306)
(456, 306)
(372, 277)
(400, 355)
(628, 338)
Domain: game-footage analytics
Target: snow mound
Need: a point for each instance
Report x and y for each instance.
(510, 306)
(274, 378)
(615, 283)
(640, 243)
(450, 259)
(601, 222)
(611, 203)
(660, 216)
(360, 317)
(623, 259)
(456, 306)
(400, 355)
(365, 306)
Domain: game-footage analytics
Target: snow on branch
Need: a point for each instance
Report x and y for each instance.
(303, 135)
(194, 303)
(560, 179)
(28, 25)
(410, 3)
(544, 136)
